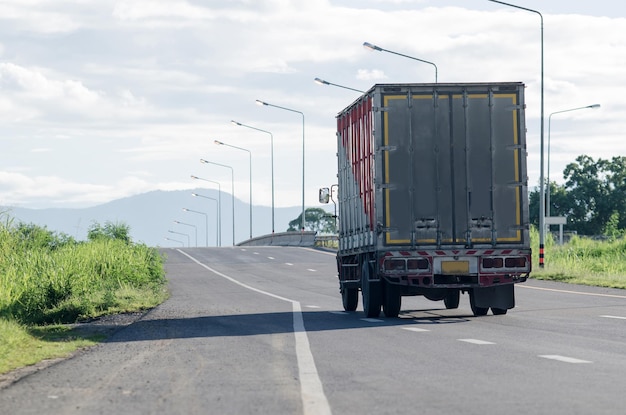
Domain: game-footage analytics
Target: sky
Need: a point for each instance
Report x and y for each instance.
(101, 100)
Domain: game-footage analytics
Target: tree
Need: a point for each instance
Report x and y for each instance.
(110, 230)
(317, 220)
(593, 197)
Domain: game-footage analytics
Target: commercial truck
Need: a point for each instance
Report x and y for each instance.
(433, 196)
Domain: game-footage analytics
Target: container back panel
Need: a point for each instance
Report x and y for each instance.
(451, 168)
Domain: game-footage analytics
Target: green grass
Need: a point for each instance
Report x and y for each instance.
(582, 261)
(49, 280)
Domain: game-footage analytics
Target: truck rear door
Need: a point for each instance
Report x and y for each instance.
(452, 166)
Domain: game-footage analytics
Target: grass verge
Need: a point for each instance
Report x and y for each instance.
(49, 282)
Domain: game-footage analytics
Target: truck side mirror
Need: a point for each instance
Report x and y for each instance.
(324, 195)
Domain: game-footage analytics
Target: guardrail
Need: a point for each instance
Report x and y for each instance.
(306, 238)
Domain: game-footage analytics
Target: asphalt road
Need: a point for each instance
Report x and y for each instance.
(261, 331)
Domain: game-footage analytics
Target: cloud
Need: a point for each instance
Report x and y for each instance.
(370, 75)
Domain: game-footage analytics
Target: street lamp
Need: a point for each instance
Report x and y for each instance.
(189, 224)
(259, 102)
(232, 187)
(206, 222)
(175, 240)
(271, 159)
(542, 210)
(323, 82)
(250, 168)
(369, 46)
(219, 206)
(593, 106)
(179, 233)
(217, 226)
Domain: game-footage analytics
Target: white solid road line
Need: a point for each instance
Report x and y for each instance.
(563, 358)
(314, 400)
(570, 292)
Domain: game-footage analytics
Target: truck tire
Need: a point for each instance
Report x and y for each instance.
(350, 298)
(393, 300)
(478, 311)
(498, 311)
(452, 299)
(371, 291)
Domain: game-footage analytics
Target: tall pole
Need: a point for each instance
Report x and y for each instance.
(250, 170)
(216, 216)
(323, 82)
(195, 228)
(206, 223)
(219, 205)
(175, 240)
(271, 160)
(259, 102)
(542, 194)
(180, 233)
(232, 187)
(369, 46)
(548, 171)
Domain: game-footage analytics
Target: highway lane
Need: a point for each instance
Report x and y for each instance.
(224, 343)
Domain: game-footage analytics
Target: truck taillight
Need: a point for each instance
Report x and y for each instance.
(492, 262)
(515, 262)
(410, 264)
(417, 263)
(510, 262)
(395, 265)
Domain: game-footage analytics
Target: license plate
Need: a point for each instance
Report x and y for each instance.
(455, 267)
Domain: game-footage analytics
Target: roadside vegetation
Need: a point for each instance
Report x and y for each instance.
(48, 280)
(582, 260)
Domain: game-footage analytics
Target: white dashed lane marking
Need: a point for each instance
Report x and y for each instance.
(615, 317)
(373, 320)
(564, 358)
(475, 341)
(416, 329)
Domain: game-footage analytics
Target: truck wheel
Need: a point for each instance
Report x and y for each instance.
(452, 299)
(478, 311)
(371, 293)
(498, 311)
(350, 298)
(393, 300)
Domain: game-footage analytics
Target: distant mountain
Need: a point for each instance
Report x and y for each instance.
(151, 216)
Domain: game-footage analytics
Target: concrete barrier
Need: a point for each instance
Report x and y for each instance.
(282, 239)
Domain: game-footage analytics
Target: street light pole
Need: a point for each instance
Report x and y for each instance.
(175, 240)
(179, 233)
(206, 223)
(232, 187)
(219, 206)
(195, 228)
(250, 169)
(369, 46)
(271, 160)
(216, 218)
(593, 106)
(323, 82)
(542, 195)
(259, 102)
